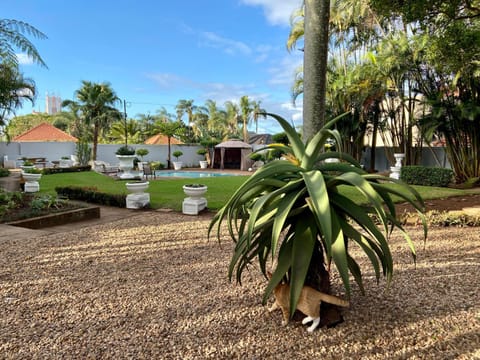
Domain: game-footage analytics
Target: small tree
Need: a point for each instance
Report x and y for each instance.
(142, 153)
(177, 154)
(84, 152)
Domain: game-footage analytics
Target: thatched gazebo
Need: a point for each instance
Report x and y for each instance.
(232, 154)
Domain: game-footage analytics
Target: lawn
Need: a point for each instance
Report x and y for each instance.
(164, 193)
(168, 193)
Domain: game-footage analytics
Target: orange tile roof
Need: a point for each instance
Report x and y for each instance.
(160, 139)
(44, 132)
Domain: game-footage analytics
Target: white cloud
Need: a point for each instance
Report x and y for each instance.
(277, 12)
(231, 47)
(166, 80)
(283, 72)
(24, 59)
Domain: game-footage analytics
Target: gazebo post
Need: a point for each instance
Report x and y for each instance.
(222, 155)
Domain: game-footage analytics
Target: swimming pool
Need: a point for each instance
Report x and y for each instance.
(190, 174)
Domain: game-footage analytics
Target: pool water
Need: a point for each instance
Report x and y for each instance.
(190, 174)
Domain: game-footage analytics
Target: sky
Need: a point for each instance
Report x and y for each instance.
(156, 52)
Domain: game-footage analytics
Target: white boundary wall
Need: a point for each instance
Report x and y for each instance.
(106, 152)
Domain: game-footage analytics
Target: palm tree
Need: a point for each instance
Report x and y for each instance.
(169, 129)
(233, 115)
(246, 110)
(145, 122)
(118, 132)
(186, 107)
(14, 89)
(317, 14)
(96, 102)
(258, 112)
(12, 37)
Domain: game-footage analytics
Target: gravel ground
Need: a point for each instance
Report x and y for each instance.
(152, 286)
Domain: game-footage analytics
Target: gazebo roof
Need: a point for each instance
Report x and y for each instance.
(234, 144)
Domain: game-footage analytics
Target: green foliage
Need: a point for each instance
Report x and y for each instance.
(33, 171)
(281, 138)
(289, 208)
(452, 218)
(4, 172)
(256, 156)
(125, 150)
(157, 165)
(42, 202)
(84, 152)
(9, 200)
(91, 195)
(12, 39)
(429, 176)
(202, 152)
(177, 154)
(71, 169)
(142, 152)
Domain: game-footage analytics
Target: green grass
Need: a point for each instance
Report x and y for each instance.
(166, 193)
(169, 194)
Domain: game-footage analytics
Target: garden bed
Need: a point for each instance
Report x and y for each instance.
(58, 218)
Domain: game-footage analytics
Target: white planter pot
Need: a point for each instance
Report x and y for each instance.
(194, 203)
(64, 163)
(126, 165)
(31, 177)
(399, 158)
(194, 192)
(177, 165)
(203, 164)
(137, 187)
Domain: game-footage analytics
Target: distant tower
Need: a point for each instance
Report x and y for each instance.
(53, 104)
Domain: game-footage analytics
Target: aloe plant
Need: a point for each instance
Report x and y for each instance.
(292, 207)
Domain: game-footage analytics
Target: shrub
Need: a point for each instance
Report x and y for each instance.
(142, 152)
(91, 195)
(202, 152)
(49, 171)
(177, 154)
(157, 165)
(4, 172)
(257, 156)
(83, 152)
(125, 150)
(428, 176)
(33, 171)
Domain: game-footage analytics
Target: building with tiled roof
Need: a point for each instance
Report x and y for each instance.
(44, 132)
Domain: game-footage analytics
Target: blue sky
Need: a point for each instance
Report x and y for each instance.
(156, 52)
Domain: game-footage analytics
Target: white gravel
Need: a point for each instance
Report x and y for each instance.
(152, 287)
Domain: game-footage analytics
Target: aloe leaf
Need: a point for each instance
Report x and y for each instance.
(303, 244)
(295, 141)
(320, 202)
(284, 207)
(356, 272)
(339, 253)
(368, 191)
(283, 265)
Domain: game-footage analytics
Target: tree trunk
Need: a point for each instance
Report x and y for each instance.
(315, 56)
(376, 119)
(96, 129)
